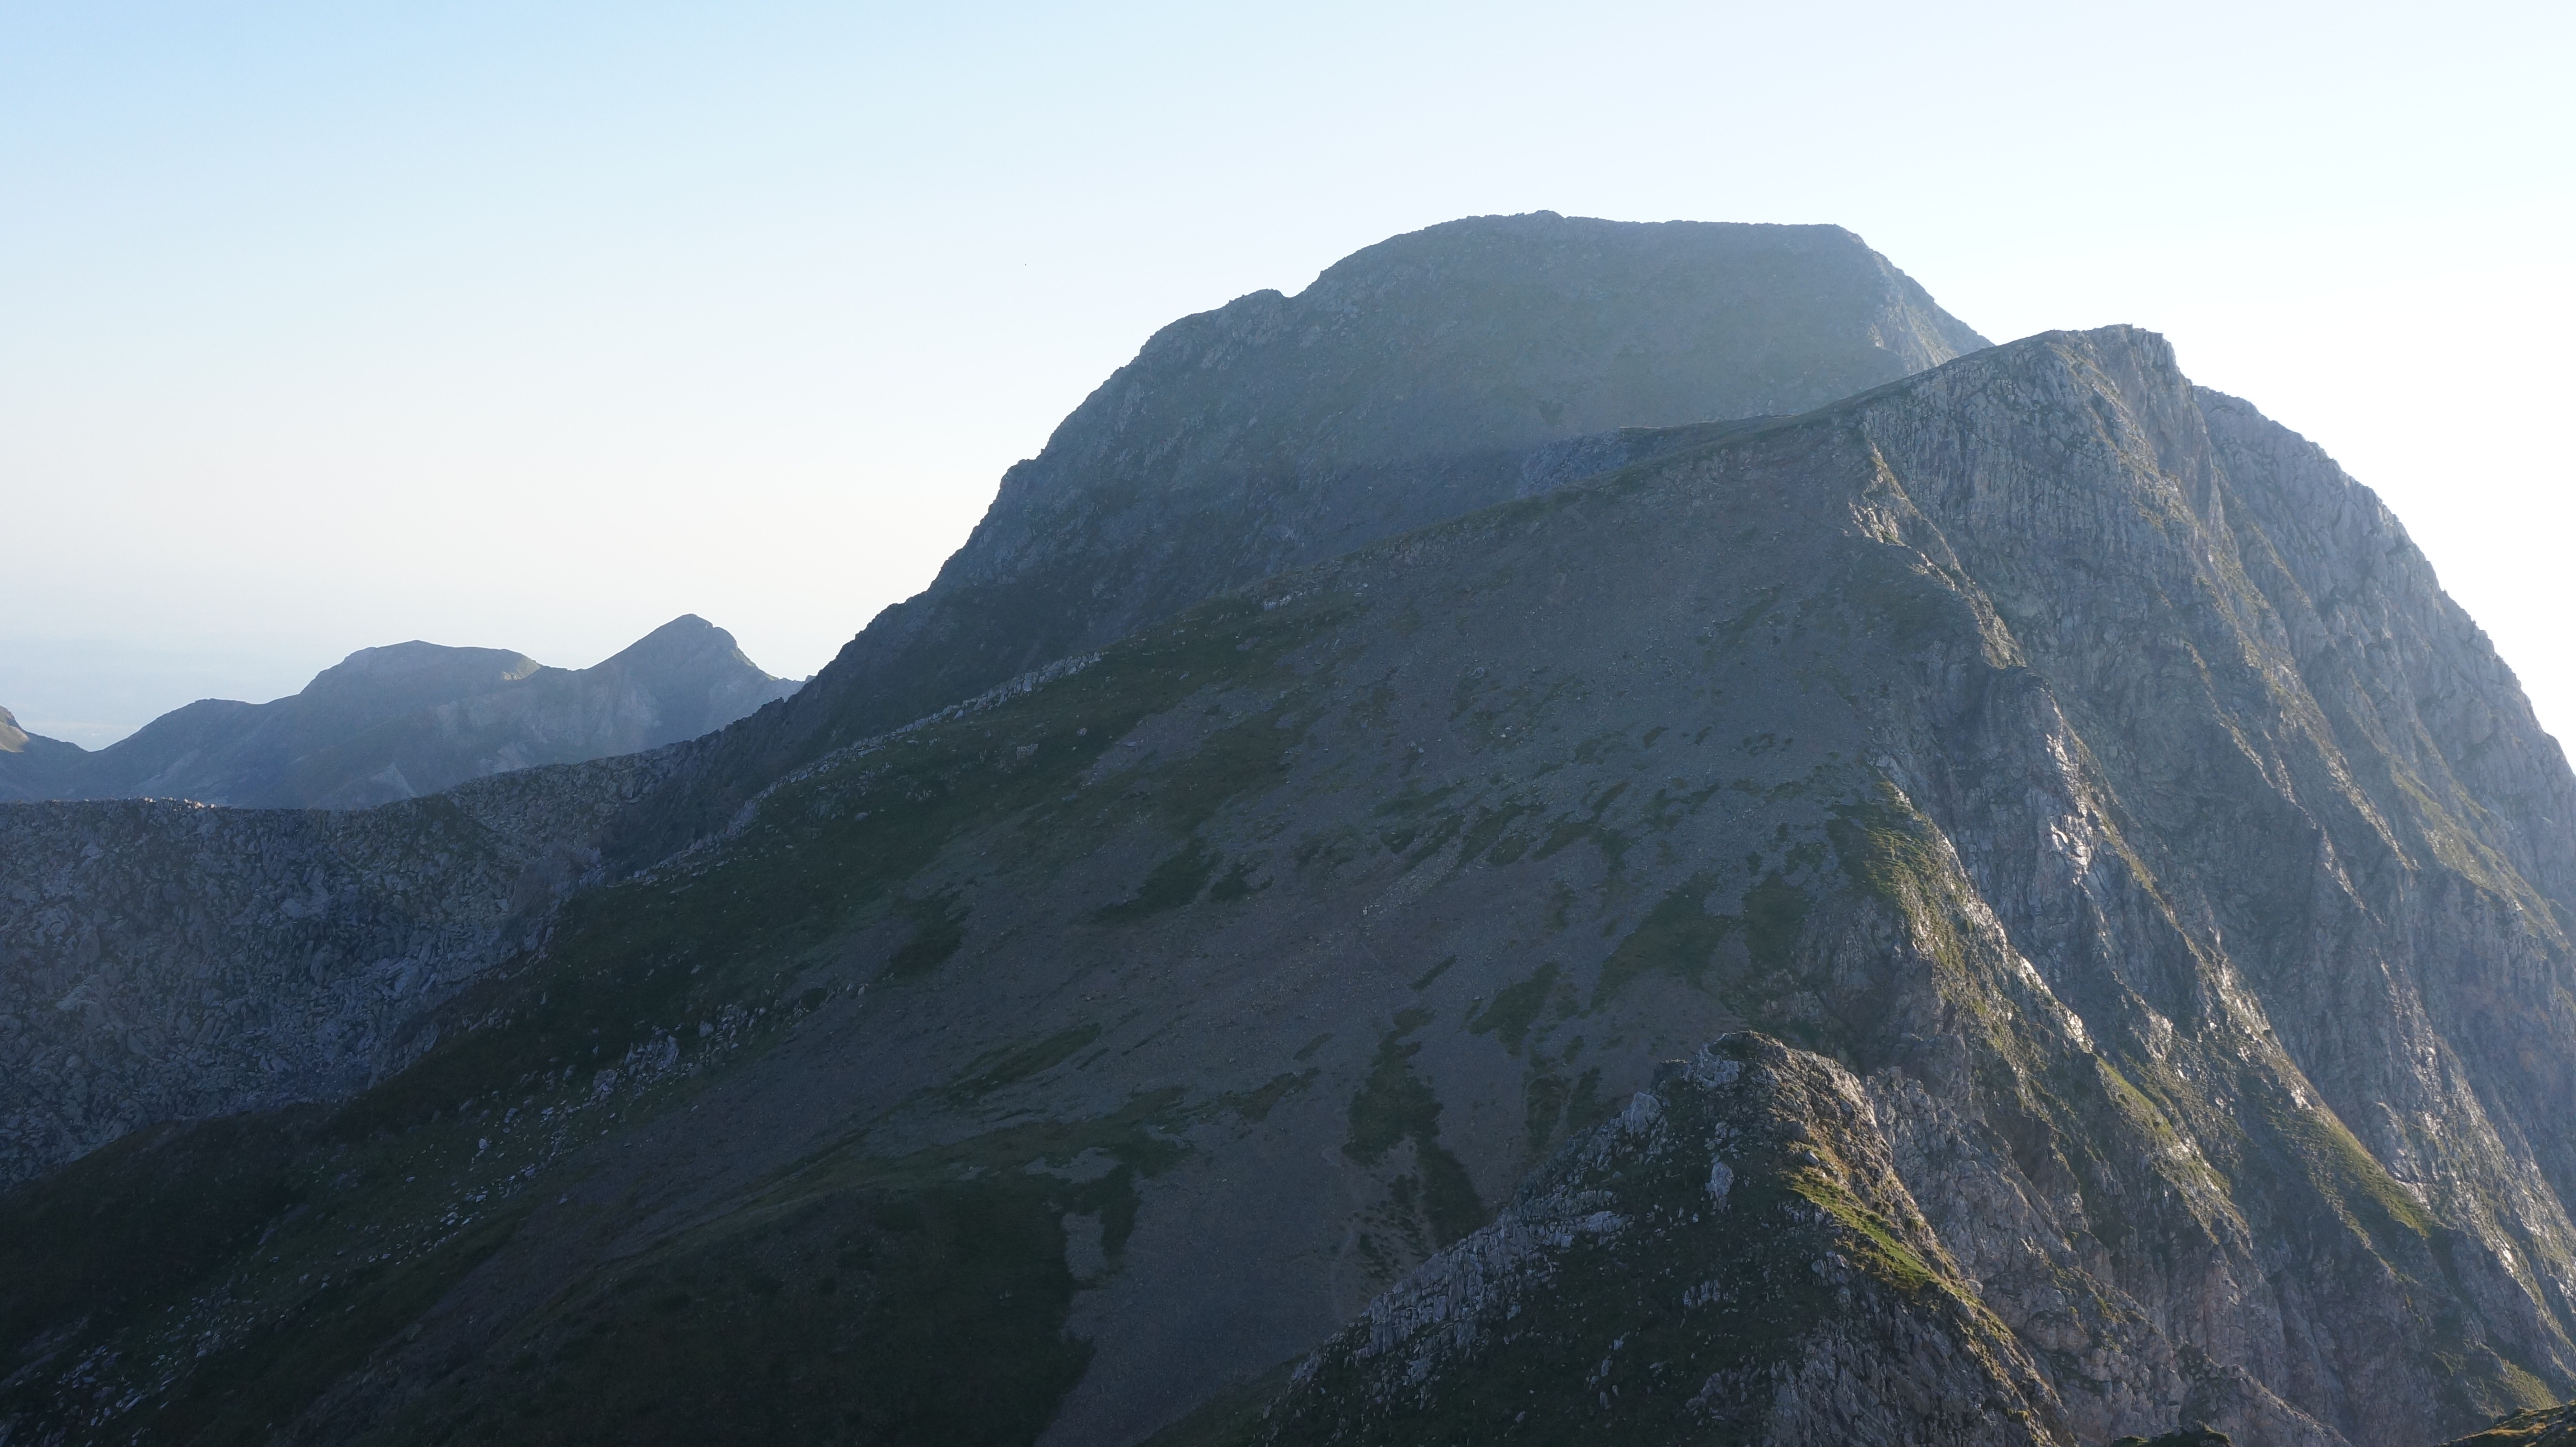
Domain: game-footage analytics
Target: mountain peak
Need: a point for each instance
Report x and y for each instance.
(410, 718)
(684, 641)
(416, 671)
(1415, 380)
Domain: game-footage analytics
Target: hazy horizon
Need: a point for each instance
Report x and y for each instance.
(534, 329)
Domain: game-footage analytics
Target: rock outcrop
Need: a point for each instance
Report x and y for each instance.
(1731, 1257)
(408, 720)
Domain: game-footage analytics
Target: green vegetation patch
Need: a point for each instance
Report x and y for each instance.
(2368, 1198)
(1774, 911)
(1886, 847)
(240, 1394)
(121, 1224)
(1516, 1007)
(1486, 836)
(1395, 1105)
(1889, 1258)
(1173, 883)
(1011, 1066)
(1254, 1106)
(855, 1298)
(866, 1316)
(1678, 937)
(2540, 1426)
(939, 928)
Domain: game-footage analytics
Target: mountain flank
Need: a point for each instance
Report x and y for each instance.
(2128, 900)
(1138, 507)
(1417, 380)
(23, 754)
(407, 720)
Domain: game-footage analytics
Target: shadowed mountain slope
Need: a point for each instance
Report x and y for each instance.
(1416, 380)
(30, 756)
(163, 960)
(2161, 888)
(411, 719)
(1499, 330)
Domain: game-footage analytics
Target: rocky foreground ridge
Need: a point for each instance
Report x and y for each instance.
(2152, 888)
(407, 720)
(1736, 1250)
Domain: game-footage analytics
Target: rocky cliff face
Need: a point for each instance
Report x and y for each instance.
(1731, 1257)
(2160, 886)
(163, 960)
(412, 719)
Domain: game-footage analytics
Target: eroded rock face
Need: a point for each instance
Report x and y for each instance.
(163, 960)
(1730, 1258)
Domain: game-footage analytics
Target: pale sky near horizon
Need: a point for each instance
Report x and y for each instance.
(535, 325)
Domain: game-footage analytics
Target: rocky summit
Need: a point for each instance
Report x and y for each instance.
(1999, 903)
(411, 719)
(1415, 381)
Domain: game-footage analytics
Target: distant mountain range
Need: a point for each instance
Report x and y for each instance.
(405, 720)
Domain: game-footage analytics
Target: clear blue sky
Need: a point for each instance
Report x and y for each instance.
(534, 325)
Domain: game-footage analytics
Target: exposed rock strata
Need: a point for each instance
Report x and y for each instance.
(1731, 1257)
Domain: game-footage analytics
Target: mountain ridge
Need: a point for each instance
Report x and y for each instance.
(2147, 887)
(408, 719)
(1415, 380)
(689, 789)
